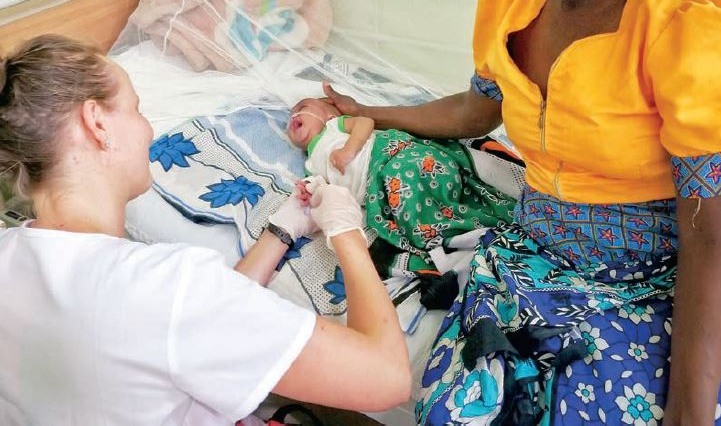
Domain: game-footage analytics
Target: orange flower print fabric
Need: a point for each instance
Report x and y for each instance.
(423, 192)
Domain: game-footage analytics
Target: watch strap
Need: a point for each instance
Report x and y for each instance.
(281, 233)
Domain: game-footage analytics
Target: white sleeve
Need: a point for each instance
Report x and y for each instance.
(231, 340)
(318, 162)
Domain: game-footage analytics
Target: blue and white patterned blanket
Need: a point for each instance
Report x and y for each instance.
(237, 168)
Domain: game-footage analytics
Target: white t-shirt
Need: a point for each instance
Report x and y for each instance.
(98, 330)
(334, 136)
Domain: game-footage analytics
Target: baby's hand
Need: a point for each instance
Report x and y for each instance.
(340, 158)
(305, 188)
(302, 193)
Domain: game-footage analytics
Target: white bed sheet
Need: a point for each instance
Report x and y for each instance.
(170, 93)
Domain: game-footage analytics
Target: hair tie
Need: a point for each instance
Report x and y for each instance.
(3, 73)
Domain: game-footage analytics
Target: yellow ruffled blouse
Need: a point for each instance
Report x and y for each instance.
(619, 105)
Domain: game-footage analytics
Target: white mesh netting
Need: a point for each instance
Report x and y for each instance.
(382, 52)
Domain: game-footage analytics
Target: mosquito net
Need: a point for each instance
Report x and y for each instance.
(400, 51)
(382, 52)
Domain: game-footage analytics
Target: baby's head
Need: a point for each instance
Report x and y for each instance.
(308, 119)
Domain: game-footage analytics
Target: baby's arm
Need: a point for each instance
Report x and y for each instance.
(359, 130)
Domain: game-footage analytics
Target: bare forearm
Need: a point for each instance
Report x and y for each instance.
(695, 349)
(370, 310)
(456, 116)
(262, 258)
(371, 343)
(696, 337)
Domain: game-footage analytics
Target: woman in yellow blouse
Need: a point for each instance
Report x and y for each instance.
(613, 105)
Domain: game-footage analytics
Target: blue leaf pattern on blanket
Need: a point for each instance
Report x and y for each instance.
(336, 287)
(233, 192)
(172, 149)
(251, 142)
(293, 252)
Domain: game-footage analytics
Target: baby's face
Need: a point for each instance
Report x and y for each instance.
(304, 125)
(309, 121)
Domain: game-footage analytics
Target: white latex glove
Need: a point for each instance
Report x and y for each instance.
(335, 210)
(313, 182)
(294, 218)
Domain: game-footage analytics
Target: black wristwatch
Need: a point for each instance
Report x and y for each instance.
(281, 233)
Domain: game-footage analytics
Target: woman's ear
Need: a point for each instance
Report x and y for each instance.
(94, 121)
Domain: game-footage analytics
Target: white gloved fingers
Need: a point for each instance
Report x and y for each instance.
(313, 182)
(335, 210)
(293, 217)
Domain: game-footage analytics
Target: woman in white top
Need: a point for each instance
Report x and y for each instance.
(96, 329)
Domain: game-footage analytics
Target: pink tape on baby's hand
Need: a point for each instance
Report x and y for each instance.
(302, 193)
(313, 182)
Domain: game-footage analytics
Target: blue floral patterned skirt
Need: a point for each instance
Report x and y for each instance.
(559, 331)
